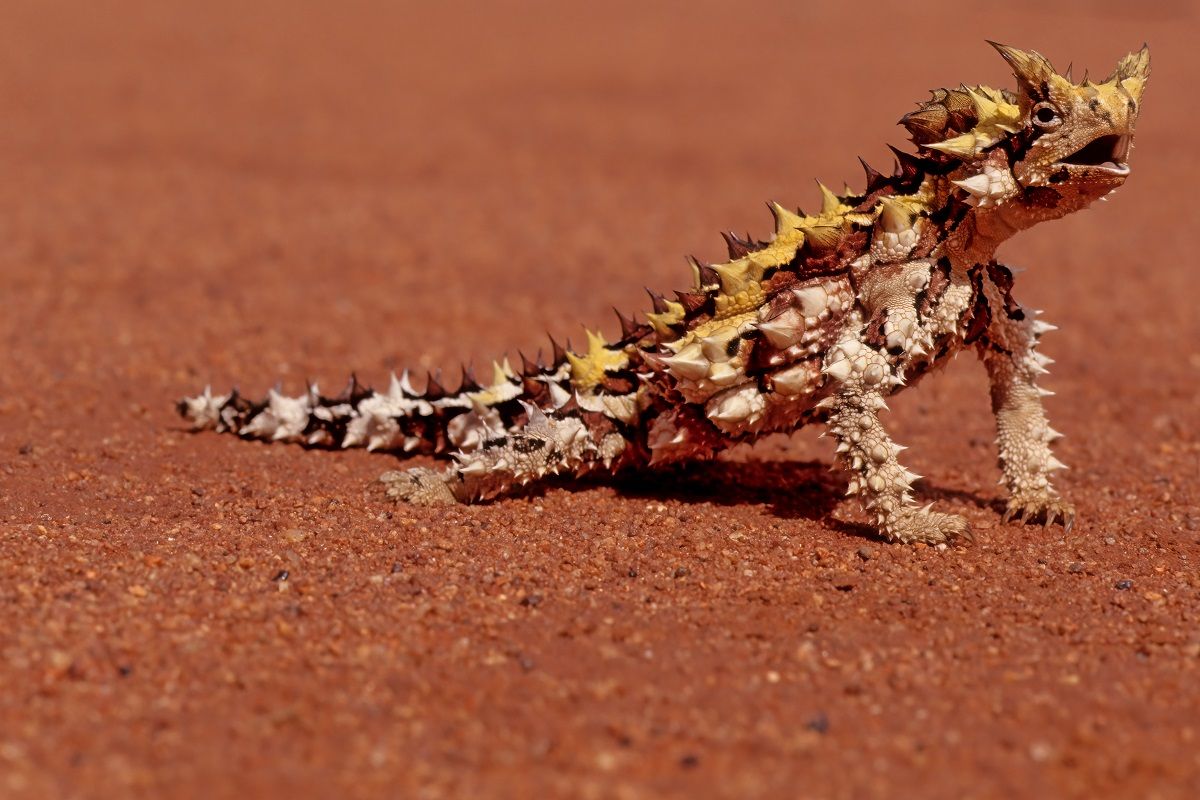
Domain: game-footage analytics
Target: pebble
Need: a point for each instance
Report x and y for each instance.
(1124, 584)
(866, 553)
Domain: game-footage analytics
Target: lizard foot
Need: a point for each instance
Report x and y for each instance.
(910, 525)
(1027, 508)
(419, 486)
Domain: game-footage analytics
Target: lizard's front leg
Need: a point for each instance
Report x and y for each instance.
(865, 376)
(1023, 435)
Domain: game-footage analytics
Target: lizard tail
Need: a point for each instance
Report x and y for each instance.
(399, 420)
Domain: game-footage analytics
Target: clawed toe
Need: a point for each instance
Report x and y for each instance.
(1050, 510)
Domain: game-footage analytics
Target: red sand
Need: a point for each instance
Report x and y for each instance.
(196, 194)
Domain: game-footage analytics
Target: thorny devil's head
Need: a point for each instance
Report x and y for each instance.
(1049, 149)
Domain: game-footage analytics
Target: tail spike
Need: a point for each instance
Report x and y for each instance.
(433, 386)
(660, 302)
(353, 392)
(557, 353)
(468, 382)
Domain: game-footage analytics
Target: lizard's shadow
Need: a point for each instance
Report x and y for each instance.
(789, 489)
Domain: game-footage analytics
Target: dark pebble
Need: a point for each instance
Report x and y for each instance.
(1125, 584)
(819, 723)
(632, 572)
(844, 582)
(526, 663)
(681, 572)
(531, 600)
(282, 575)
(689, 761)
(1075, 567)
(26, 449)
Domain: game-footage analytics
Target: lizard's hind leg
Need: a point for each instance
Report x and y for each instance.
(539, 445)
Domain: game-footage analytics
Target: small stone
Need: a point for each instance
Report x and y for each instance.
(531, 600)
(866, 553)
(137, 590)
(1075, 567)
(282, 575)
(689, 761)
(682, 572)
(819, 723)
(1124, 585)
(844, 581)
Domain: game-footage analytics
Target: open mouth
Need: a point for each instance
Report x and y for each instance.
(1104, 153)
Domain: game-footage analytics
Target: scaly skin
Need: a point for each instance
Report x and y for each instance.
(821, 323)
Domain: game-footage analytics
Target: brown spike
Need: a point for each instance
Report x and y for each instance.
(927, 124)
(629, 328)
(433, 386)
(660, 302)
(528, 367)
(691, 300)
(737, 248)
(468, 383)
(557, 354)
(354, 391)
(908, 165)
(875, 179)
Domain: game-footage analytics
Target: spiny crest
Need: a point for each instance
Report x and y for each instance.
(1132, 72)
(963, 122)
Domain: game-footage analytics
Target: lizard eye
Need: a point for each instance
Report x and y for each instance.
(1046, 116)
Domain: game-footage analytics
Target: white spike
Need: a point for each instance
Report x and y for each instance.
(689, 363)
(813, 300)
(785, 330)
(976, 185)
(839, 370)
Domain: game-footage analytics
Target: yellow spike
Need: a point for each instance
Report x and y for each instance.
(894, 216)
(822, 237)
(829, 201)
(737, 275)
(784, 220)
(672, 316)
(588, 370)
(963, 146)
(500, 373)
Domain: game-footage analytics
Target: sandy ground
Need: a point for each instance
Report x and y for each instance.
(198, 193)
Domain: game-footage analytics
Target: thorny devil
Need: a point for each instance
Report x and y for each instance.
(821, 323)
